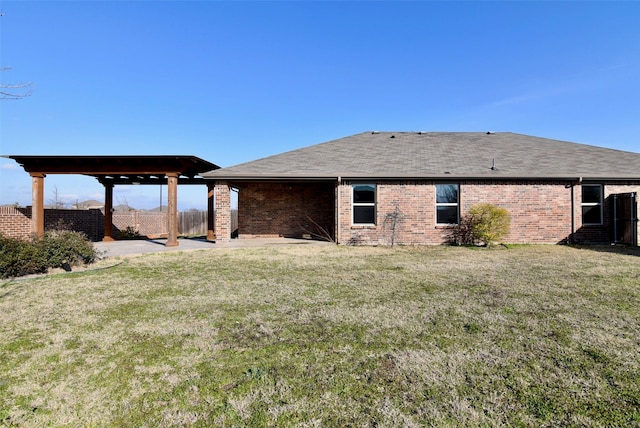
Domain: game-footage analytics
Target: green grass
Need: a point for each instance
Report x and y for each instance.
(328, 336)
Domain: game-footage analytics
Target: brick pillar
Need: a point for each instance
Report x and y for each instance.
(37, 211)
(172, 209)
(211, 233)
(223, 211)
(108, 212)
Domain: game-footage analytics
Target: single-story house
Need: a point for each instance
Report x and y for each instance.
(412, 187)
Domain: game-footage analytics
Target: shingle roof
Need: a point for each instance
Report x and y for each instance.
(440, 155)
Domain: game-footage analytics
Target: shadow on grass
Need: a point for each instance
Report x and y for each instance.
(626, 250)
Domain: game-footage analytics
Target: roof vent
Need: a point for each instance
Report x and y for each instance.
(491, 132)
(393, 136)
(375, 132)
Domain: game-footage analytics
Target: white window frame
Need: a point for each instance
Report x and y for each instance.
(593, 204)
(448, 204)
(355, 204)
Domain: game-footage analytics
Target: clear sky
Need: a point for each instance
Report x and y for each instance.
(232, 82)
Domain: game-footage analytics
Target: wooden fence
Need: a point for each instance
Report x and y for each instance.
(195, 222)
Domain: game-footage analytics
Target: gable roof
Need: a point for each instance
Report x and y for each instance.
(440, 155)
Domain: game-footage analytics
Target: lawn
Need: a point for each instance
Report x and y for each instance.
(328, 336)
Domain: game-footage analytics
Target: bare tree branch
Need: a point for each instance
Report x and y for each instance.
(8, 91)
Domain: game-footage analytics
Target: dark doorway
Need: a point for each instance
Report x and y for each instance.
(625, 219)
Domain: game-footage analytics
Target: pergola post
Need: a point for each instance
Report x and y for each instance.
(211, 233)
(37, 204)
(172, 209)
(108, 212)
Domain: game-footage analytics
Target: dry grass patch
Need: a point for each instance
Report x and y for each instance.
(328, 336)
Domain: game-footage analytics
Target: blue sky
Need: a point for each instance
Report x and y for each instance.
(232, 82)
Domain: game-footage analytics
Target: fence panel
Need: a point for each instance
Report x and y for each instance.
(192, 223)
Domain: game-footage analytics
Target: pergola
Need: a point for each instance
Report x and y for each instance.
(113, 170)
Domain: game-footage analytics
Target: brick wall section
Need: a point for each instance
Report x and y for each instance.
(599, 234)
(624, 187)
(540, 211)
(285, 209)
(222, 196)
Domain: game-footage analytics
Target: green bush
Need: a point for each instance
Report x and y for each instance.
(489, 223)
(20, 257)
(485, 224)
(55, 249)
(67, 247)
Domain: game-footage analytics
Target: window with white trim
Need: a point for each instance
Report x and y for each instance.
(591, 204)
(447, 204)
(363, 203)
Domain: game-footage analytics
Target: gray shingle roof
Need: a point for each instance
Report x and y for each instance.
(440, 155)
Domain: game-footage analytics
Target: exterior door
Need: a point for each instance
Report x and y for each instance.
(625, 219)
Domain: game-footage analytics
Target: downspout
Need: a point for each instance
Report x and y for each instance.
(573, 210)
(338, 210)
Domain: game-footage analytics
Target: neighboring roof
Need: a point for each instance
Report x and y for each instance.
(440, 155)
(120, 169)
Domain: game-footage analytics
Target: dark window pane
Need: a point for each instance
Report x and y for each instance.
(447, 215)
(591, 194)
(364, 215)
(365, 193)
(447, 193)
(591, 215)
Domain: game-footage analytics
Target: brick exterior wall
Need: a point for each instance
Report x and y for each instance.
(292, 210)
(222, 197)
(602, 233)
(541, 212)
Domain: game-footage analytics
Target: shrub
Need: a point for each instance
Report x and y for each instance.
(20, 257)
(485, 224)
(55, 249)
(489, 223)
(129, 233)
(67, 247)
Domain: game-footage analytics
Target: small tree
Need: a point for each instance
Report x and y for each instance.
(489, 223)
(392, 220)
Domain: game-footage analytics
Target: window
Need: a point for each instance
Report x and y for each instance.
(364, 203)
(447, 204)
(591, 204)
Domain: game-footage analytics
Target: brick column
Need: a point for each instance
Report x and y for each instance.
(211, 233)
(37, 211)
(223, 211)
(172, 209)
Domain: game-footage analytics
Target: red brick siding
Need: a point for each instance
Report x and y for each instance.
(615, 188)
(285, 209)
(540, 211)
(222, 197)
(602, 233)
